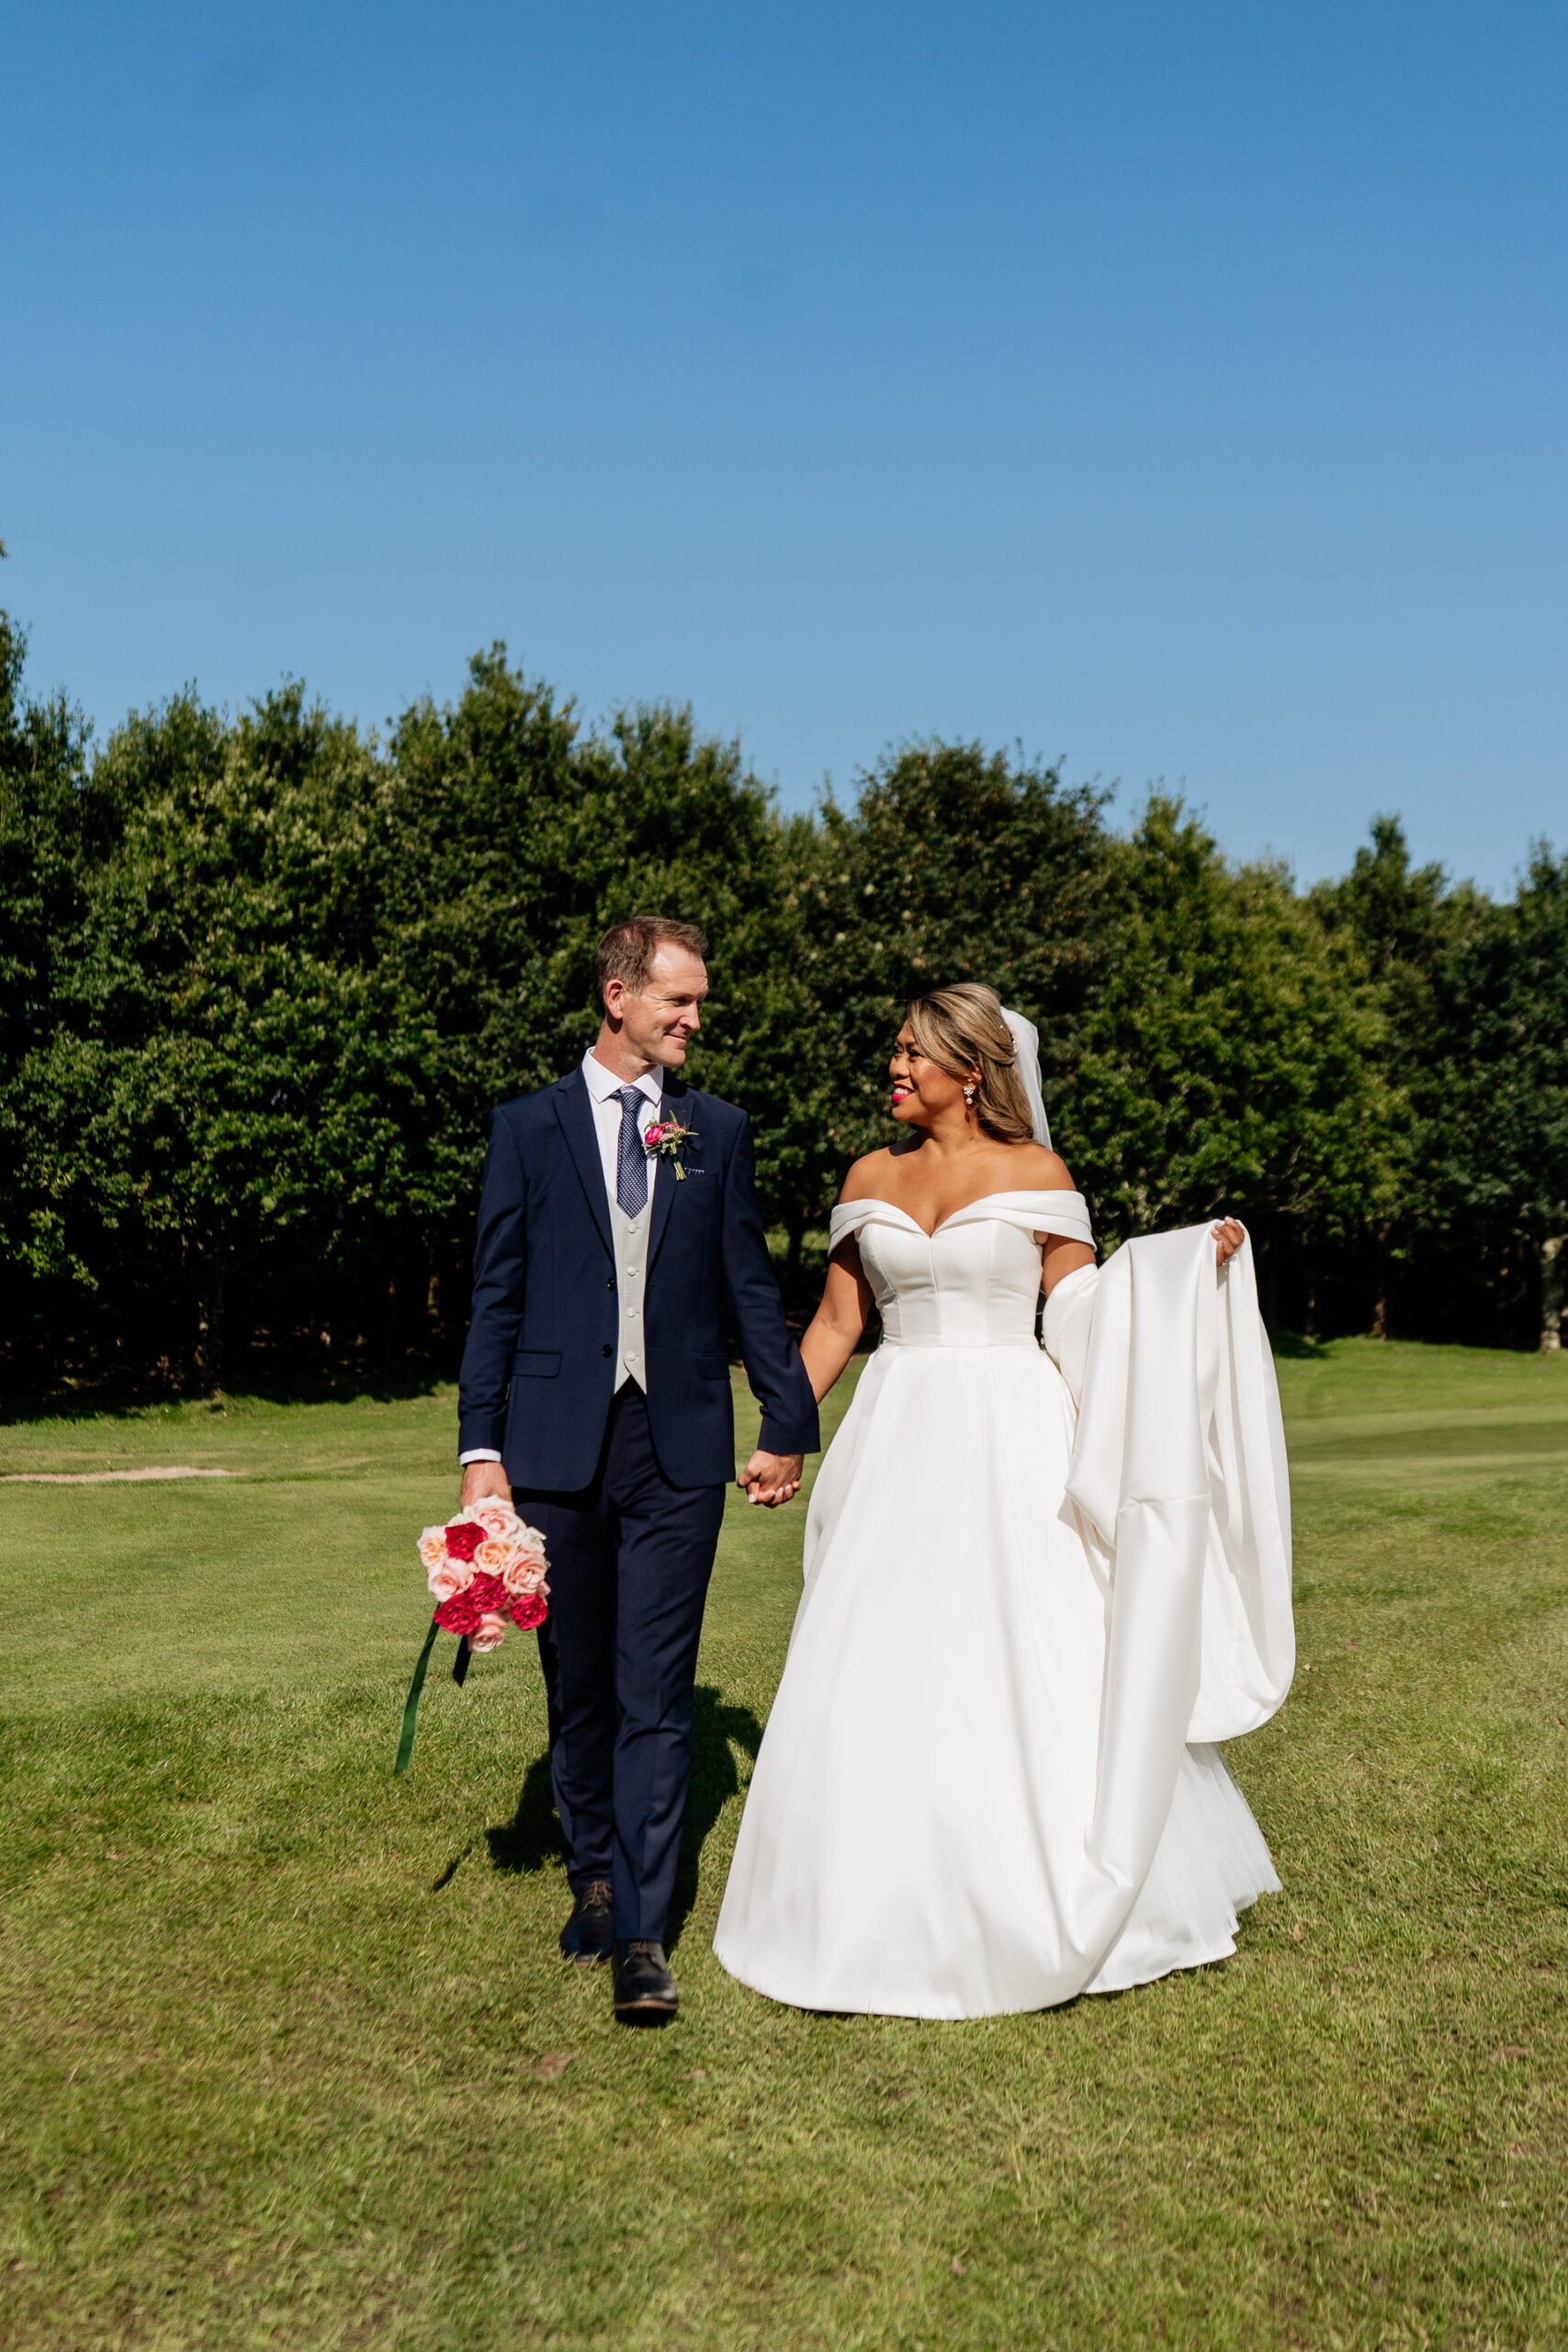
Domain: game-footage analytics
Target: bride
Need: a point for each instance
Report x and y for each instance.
(985, 1784)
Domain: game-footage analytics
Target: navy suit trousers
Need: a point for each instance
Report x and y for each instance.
(630, 1558)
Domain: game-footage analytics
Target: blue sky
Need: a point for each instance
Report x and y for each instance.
(1179, 390)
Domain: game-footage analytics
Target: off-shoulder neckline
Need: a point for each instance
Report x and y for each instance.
(875, 1200)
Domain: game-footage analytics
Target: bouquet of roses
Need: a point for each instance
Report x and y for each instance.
(487, 1569)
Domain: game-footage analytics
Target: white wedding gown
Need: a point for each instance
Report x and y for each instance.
(965, 1803)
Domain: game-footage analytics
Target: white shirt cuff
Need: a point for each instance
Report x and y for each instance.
(480, 1453)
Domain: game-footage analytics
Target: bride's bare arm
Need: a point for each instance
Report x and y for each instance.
(1065, 1257)
(836, 1328)
(1061, 1257)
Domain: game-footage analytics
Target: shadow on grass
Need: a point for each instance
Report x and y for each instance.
(716, 1732)
(1296, 1347)
(532, 1836)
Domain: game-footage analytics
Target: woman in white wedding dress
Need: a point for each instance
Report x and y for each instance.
(979, 1790)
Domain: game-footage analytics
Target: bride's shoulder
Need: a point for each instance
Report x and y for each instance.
(1040, 1170)
(867, 1178)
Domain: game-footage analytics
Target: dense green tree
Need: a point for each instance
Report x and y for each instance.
(477, 794)
(1475, 1019)
(262, 981)
(1494, 1127)
(954, 863)
(1402, 920)
(53, 823)
(230, 1088)
(1228, 1056)
(519, 840)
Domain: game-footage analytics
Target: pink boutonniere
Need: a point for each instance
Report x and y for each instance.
(668, 1140)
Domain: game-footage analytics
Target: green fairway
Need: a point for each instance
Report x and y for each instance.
(284, 2038)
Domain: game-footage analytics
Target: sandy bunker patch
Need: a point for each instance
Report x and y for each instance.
(106, 1477)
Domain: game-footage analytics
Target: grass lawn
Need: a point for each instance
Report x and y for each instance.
(284, 2038)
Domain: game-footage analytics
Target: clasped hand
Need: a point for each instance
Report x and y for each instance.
(771, 1478)
(1229, 1239)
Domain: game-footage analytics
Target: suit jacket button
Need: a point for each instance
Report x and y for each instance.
(611, 1284)
(606, 1349)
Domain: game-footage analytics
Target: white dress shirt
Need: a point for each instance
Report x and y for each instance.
(603, 1089)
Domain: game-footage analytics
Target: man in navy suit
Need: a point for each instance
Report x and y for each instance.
(595, 1390)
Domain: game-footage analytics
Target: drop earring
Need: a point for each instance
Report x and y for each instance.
(969, 1096)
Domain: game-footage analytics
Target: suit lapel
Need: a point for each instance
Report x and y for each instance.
(676, 1104)
(575, 1112)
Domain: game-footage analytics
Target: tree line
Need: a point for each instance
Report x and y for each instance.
(263, 977)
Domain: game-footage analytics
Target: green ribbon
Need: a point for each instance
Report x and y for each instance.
(411, 1711)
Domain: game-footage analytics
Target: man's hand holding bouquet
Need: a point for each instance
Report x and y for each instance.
(486, 1568)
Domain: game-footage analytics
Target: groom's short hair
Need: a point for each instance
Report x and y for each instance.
(626, 953)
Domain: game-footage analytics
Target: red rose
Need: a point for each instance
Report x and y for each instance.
(530, 1609)
(481, 1598)
(461, 1614)
(464, 1538)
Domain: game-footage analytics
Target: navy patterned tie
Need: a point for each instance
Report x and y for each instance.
(631, 1159)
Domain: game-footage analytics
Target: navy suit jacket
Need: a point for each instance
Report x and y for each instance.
(539, 1366)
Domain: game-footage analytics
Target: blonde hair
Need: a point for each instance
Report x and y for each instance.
(961, 1029)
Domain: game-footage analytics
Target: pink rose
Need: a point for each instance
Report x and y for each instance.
(449, 1577)
(492, 1556)
(524, 1572)
(490, 1634)
(497, 1519)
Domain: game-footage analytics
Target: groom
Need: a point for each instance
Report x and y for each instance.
(595, 1390)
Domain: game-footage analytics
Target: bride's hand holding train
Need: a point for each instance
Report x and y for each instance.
(1229, 1239)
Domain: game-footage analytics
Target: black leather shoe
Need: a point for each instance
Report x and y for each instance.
(645, 1990)
(586, 1936)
